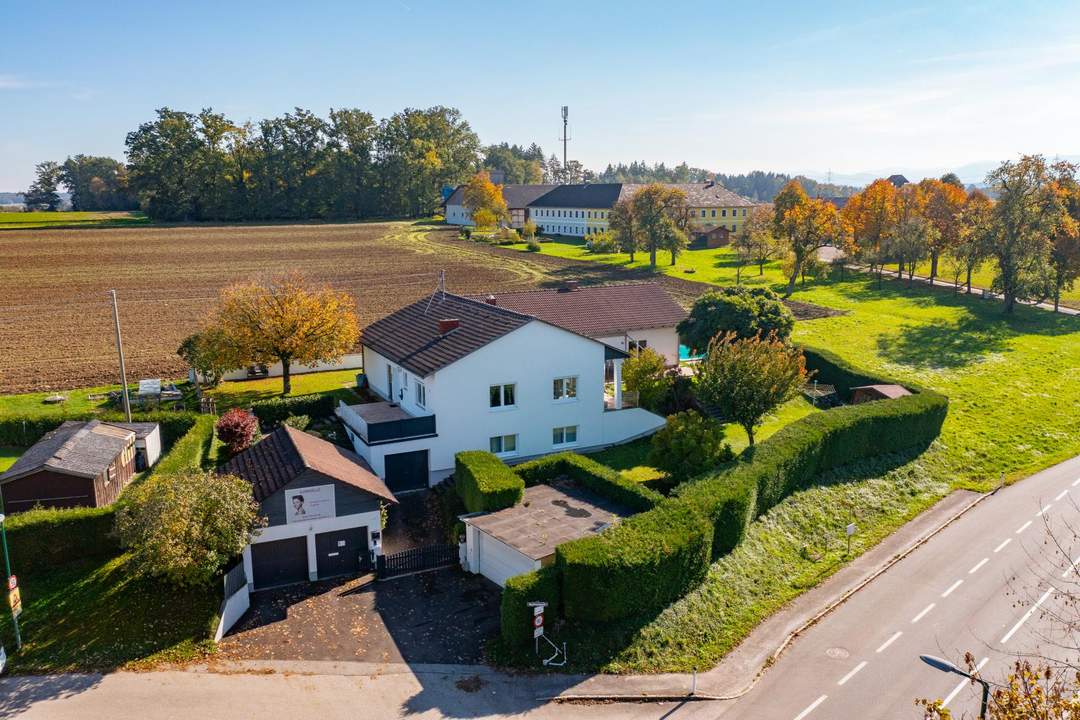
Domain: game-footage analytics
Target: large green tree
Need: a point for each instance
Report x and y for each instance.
(747, 312)
(42, 193)
(97, 183)
(660, 213)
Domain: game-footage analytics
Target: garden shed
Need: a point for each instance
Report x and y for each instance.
(517, 539)
(866, 393)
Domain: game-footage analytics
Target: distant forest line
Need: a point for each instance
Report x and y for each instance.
(348, 165)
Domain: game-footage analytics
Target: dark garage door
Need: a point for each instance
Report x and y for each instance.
(279, 562)
(407, 471)
(342, 552)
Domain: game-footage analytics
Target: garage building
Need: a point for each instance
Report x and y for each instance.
(518, 539)
(322, 506)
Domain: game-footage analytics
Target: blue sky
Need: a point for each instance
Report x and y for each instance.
(848, 86)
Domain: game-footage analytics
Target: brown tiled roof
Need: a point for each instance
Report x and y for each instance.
(79, 448)
(598, 310)
(410, 336)
(283, 455)
(890, 392)
(548, 516)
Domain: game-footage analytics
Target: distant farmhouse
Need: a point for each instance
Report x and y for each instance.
(583, 210)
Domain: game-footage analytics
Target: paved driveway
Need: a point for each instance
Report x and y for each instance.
(443, 616)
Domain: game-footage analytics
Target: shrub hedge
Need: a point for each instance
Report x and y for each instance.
(515, 615)
(484, 482)
(44, 537)
(643, 563)
(600, 479)
(830, 369)
(273, 412)
(25, 430)
(646, 562)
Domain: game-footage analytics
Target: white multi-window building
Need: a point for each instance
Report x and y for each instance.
(517, 199)
(457, 373)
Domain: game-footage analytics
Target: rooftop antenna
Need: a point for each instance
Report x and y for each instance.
(440, 288)
(565, 134)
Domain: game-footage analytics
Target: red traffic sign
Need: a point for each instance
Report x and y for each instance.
(538, 620)
(12, 582)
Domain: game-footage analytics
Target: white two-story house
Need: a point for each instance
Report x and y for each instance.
(457, 373)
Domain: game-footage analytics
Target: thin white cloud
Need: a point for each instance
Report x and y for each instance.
(12, 82)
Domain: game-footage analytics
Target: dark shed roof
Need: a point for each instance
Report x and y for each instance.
(598, 310)
(411, 336)
(589, 195)
(84, 449)
(516, 196)
(285, 454)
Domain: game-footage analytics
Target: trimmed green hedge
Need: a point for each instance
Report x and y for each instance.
(830, 369)
(646, 562)
(25, 430)
(45, 537)
(272, 412)
(600, 479)
(643, 563)
(484, 482)
(515, 615)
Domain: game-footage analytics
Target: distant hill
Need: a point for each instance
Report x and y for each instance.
(11, 198)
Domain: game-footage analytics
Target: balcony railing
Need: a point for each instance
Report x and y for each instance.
(390, 430)
(629, 399)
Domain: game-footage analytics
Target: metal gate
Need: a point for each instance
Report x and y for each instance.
(414, 560)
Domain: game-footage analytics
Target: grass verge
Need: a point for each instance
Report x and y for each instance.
(72, 219)
(241, 393)
(8, 456)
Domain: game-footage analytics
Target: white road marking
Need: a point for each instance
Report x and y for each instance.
(1072, 566)
(890, 641)
(1062, 494)
(1076, 482)
(963, 683)
(951, 588)
(1004, 542)
(810, 708)
(1027, 615)
(1023, 527)
(978, 565)
(1043, 511)
(925, 610)
(851, 674)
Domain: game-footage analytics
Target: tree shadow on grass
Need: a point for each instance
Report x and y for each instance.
(945, 344)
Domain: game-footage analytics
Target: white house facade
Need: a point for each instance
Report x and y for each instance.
(461, 374)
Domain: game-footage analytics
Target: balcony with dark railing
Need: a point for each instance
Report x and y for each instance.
(381, 422)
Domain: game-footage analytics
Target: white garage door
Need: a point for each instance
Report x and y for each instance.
(498, 561)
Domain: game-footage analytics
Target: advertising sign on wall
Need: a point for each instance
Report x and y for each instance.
(309, 503)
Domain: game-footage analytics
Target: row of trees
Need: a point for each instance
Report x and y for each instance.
(95, 183)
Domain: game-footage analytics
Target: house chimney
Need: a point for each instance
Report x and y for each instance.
(448, 325)
(490, 300)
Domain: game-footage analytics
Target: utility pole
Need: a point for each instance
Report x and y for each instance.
(565, 135)
(120, 349)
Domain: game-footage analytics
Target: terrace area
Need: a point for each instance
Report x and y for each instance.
(383, 422)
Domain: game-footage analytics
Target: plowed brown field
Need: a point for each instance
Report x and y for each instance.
(56, 327)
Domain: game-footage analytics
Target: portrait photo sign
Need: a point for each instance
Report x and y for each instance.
(309, 503)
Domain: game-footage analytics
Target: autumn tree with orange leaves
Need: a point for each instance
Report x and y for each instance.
(873, 216)
(944, 208)
(286, 319)
(807, 225)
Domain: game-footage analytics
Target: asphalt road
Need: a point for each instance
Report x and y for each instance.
(988, 584)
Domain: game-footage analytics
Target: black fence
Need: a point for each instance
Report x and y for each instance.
(235, 579)
(378, 432)
(414, 560)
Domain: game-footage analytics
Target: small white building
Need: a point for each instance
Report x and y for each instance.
(456, 373)
(147, 443)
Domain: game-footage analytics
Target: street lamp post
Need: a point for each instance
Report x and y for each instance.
(947, 667)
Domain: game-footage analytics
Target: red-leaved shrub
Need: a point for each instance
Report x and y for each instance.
(237, 429)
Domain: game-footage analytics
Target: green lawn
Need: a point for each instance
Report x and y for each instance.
(241, 393)
(8, 456)
(984, 278)
(31, 220)
(718, 266)
(632, 459)
(78, 402)
(95, 615)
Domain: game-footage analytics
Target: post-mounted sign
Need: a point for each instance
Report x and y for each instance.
(12, 582)
(15, 602)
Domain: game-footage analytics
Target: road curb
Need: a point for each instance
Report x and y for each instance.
(775, 655)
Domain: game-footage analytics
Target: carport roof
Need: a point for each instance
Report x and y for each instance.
(548, 516)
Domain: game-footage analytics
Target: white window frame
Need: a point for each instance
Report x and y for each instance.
(566, 381)
(562, 432)
(503, 452)
(421, 394)
(503, 405)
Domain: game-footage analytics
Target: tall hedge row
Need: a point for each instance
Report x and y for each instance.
(588, 473)
(515, 615)
(25, 430)
(484, 482)
(44, 537)
(273, 411)
(646, 562)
